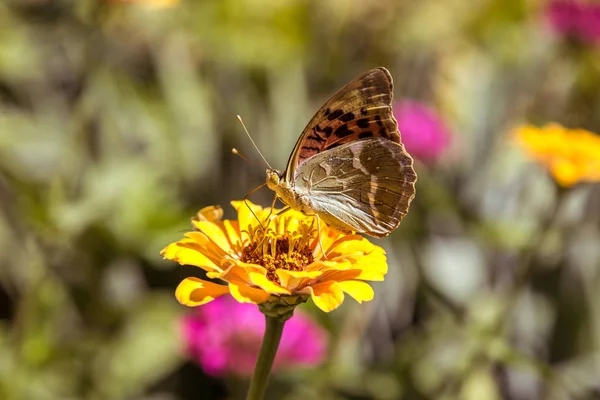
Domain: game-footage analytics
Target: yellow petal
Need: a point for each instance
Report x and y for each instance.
(199, 242)
(195, 292)
(268, 286)
(215, 232)
(289, 221)
(294, 279)
(365, 274)
(232, 230)
(373, 266)
(565, 173)
(186, 252)
(340, 276)
(569, 154)
(237, 204)
(350, 245)
(339, 263)
(358, 290)
(247, 294)
(210, 213)
(245, 215)
(327, 295)
(328, 237)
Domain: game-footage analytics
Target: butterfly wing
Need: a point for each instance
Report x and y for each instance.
(359, 110)
(364, 186)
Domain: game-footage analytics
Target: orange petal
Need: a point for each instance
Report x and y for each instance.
(327, 295)
(358, 290)
(246, 294)
(195, 292)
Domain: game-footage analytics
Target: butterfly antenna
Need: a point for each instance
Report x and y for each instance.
(254, 144)
(243, 157)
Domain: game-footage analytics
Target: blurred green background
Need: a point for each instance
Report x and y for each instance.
(117, 120)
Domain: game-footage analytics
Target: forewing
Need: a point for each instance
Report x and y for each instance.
(361, 109)
(364, 186)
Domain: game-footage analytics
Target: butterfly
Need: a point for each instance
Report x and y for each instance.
(349, 166)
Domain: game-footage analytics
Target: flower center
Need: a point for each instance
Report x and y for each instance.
(273, 251)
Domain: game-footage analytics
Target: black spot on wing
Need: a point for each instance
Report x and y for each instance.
(365, 134)
(363, 123)
(347, 117)
(316, 137)
(335, 114)
(343, 131)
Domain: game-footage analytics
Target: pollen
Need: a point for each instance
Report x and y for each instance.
(273, 252)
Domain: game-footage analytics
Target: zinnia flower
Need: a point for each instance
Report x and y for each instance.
(576, 19)
(570, 155)
(286, 260)
(224, 337)
(424, 134)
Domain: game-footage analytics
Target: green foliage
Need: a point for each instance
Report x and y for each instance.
(116, 125)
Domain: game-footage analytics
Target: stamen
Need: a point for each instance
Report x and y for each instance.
(276, 251)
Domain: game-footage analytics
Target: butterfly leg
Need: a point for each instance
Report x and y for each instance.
(316, 216)
(284, 209)
(287, 208)
(268, 219)
(272, 216)
(250, 208)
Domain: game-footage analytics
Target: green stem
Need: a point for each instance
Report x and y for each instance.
(268, 350)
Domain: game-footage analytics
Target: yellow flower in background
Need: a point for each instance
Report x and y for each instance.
(285, 260)
(570, 155)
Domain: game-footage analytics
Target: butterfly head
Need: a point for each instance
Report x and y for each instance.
(274, 178)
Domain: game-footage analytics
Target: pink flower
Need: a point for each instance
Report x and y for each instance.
(576, 19)
(224, 337)
(424, 134)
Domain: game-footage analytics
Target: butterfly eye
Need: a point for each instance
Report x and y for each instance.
(273, 178)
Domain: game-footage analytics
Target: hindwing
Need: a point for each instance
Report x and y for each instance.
(364, 186)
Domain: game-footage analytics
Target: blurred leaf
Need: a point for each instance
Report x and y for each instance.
(147, 349)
